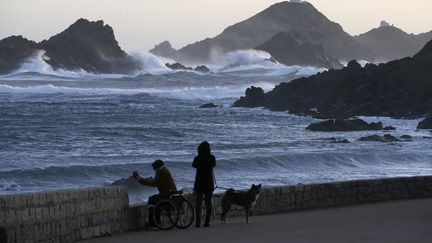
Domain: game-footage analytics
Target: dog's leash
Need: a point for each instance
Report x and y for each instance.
(215, 183)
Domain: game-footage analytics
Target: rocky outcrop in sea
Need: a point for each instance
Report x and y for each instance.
(399, 89)
(85, 45)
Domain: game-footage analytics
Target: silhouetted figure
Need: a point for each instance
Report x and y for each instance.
(164, 182)
(3, 235)
(204, 182)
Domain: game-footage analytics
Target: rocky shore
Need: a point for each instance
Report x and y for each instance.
(399, 89)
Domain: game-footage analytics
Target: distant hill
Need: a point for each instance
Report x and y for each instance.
(390, 43)
(292, 48)
(164, 49)
(401, 88)
(86, 45)
(281, 17)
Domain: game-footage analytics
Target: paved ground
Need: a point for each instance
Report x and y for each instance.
(396, 221)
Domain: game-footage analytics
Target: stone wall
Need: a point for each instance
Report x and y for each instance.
(300, 197)
(64, 216)
(67, 216)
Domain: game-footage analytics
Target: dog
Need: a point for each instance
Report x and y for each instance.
(246, 200)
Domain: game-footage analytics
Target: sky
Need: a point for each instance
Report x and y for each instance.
(140, 24)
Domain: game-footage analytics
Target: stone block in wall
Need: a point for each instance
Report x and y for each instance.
(58, 216)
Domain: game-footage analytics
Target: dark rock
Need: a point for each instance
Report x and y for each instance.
(377, 138)
(425, 123)
(14, 51)
(389, 128)
(354, 65)
(397, 89)
(178, 66)
(344, 125)
(406, 137)
(208, 105)
(90, 46)
(390, 138)
(293, 48)
(254, 98)
(337, 140)
(164, 49)
(85, 45)
(202, 69)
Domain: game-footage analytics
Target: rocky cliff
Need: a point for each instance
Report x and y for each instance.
(401, 88)
(86, 45)
(90, 46)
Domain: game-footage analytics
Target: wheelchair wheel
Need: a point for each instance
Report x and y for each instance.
(186, 214)
(165, 215)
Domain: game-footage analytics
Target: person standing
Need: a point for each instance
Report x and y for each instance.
(204, 163)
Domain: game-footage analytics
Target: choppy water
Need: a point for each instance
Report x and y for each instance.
(73, 130)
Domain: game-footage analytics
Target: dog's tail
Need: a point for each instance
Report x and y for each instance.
(231, 190)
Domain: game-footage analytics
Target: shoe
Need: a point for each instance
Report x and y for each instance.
(197, 226)
(206, 225)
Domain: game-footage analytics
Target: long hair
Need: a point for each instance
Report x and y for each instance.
(204, 149)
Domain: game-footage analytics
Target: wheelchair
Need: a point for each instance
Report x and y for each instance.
(174, 211)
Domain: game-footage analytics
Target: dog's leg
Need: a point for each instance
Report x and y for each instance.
(226, 206)
(247, 215)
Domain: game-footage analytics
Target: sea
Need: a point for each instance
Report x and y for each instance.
(64, 130)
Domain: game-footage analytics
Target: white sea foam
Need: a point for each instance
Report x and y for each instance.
(241, 63)
(152, 64)
(37, 65)
(52, 89)
(182, 93)
(249, 60)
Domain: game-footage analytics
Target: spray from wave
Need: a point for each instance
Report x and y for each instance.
(152, 64)
(249, 60)
(36, 67)
(38, 64)
(241, 63)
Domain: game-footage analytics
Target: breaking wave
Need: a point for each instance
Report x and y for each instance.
(244, 62)
(181, 93)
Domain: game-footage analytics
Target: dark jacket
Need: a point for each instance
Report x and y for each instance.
(204, 174)
(163, 181)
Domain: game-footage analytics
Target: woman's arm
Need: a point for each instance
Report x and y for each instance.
(195, 163)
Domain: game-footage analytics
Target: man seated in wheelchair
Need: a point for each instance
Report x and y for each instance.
(164, 182)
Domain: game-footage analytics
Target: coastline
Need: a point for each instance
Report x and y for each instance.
(72, 215)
